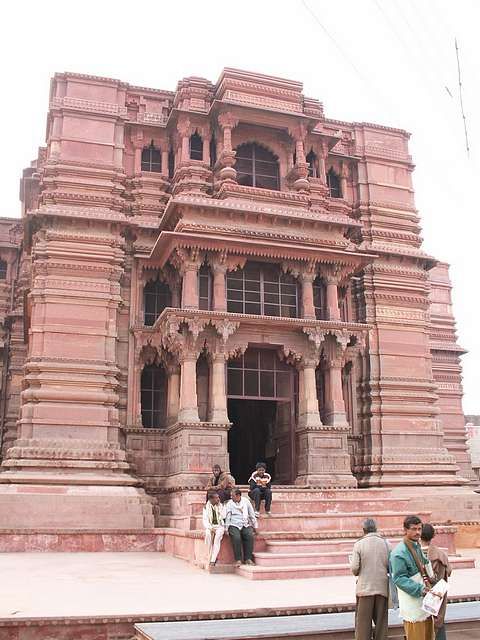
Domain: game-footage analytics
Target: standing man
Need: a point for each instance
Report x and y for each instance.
(442, 570)
(241, 524)
(412, 573)
(260, 487)
(369, 562)
(213, 521)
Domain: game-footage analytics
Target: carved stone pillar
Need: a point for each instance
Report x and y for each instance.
(344, 179)
(333, 309)
(218, 392)
(190, 286)
(188, 407)
(226, 160)
(322, 163)
(308, 305)
(309, 415)
(335, 413)
(165, 161)
(173, 393)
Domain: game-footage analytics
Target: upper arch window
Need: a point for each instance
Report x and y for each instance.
(151, 159)
(257, 167)
(312, 164)
(196, 147)
(333, 182)
(261, 288)
(3, 270)
(156, 297)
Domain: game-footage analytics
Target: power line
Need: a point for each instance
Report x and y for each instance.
(461, 98)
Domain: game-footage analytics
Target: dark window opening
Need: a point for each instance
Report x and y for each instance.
(156, 297)
(196, 147)
(259, 374)
(257, 167)
(262, 289)
(3, 270)
(151, 159)
(312, 164)
(153, 391)
(333, 182)
(204, 288)
(213, 152)
(171, 163)
(319, 299)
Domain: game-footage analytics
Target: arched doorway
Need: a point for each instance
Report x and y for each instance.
(261, 391)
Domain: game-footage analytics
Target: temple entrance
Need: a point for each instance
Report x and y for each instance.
(261, 407)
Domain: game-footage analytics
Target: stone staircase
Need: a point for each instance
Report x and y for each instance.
(310, 532)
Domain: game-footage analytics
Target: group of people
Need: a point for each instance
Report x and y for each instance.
(227, 512)
(408, 572)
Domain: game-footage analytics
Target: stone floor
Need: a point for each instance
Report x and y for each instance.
(48, 585)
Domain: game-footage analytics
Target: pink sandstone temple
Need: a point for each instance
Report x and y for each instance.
(222, 274)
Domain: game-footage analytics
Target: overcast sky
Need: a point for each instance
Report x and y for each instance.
(386, 61)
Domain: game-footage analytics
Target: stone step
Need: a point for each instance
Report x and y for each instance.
(266, 559)
(253, 572)
(315, 568)
(327, 505)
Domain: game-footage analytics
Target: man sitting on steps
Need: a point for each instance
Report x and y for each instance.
(260, 488)
(240, 523)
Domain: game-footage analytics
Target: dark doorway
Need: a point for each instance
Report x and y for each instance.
(250, 435)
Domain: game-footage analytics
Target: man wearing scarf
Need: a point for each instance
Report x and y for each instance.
(413, 575)
(213, 521)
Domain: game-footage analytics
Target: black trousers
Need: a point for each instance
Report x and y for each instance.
(241, 538)
(261, 493)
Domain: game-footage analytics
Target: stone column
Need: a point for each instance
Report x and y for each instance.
(335, 413)
(165, 161)
(343, 179)
(138, 159)
(309, 415)
(206, 147)
(188, 408)
(322, 161)
(219, 287)
(308, 305)
(173, 393)
(190, 286)
(333, 310)
(218, 392)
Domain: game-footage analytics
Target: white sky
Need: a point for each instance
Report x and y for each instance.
(383, 61)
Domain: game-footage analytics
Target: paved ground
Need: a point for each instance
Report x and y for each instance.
(109, 584)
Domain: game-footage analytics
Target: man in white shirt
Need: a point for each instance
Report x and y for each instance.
(213, 521)
(241, 523)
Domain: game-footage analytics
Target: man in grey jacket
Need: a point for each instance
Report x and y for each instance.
(369, 562)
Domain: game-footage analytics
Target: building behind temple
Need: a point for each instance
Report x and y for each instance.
(219, 274)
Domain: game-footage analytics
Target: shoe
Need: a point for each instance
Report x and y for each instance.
(238, 563)
(212, 564)
(249, 562)
(257, 513)
(267, 513)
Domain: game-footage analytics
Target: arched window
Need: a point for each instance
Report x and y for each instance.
(153, 390)
(262, 289)
(171, 163)
(204, 288)
(156, 297)
(3, 270)
(151, 159)
(312, 164)
(257, 167)
(196, 147)
(333, 182)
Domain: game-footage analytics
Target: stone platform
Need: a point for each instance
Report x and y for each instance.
(100, 596)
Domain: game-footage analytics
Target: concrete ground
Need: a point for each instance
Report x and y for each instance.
(48, 585)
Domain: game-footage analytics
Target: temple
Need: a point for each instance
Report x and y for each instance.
(219, 274)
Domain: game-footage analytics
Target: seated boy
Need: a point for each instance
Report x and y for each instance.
(214, 524)
(260, 488)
